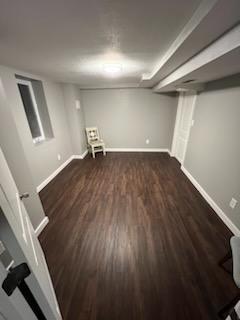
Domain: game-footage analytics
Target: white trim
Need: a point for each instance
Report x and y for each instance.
(53, 175)
(41, 226)
(35, 106)
(212, 203)
(181, 98)
(80, 156)
(10, 265)
(177, 122)
(83, 155)
(59, 169)
(137, 150)
(201, 12)
(228, 42)
(190, 124)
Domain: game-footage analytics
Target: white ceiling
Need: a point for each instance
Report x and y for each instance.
(73, 40)
(70, 40)
(215, 17)
(219, 59)
(226, 65)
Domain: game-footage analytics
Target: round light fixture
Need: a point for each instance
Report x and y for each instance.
(112, 69)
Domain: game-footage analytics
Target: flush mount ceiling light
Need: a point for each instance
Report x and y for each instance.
(112, 69)
(110, 65)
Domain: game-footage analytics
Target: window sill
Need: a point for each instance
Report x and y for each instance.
(38, 143)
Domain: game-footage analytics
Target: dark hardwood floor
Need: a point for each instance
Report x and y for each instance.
(131, 238)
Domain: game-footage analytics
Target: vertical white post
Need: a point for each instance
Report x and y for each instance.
(177, 121)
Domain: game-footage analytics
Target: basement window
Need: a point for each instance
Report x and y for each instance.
(35, 108)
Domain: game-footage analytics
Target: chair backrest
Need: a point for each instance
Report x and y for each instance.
(92, 134)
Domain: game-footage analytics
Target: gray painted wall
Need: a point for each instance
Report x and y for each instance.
(12, 148)
(127, 117)
(76, 119)
(42, 157)
(213, 154)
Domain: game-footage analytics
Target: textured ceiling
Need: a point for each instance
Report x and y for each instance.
(217, 17)
(226, 65)
(71, 40)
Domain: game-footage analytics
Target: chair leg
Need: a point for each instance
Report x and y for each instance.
(223, 313)
(104, 151)
(227, 257)
(93, 153)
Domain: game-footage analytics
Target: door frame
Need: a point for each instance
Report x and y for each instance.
(177, 123)
(39, 280)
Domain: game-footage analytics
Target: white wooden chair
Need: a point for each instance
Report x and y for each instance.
(95, 144)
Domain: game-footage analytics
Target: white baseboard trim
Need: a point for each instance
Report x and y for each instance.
(83, 155)
(80, 156)
(137, 150)
(41, 226)
(231, 226)
(59, 169)
(53, 175)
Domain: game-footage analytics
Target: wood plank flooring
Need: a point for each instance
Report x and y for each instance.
(131, 238)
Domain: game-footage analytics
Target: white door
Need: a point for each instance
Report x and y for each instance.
(14, 307)
(18, 237)
(183, 124)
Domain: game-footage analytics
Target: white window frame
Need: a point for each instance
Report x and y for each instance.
(29, 84)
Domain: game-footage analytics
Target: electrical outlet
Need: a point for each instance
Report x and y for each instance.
(147, 141)
(233, 203)
(59, 157)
